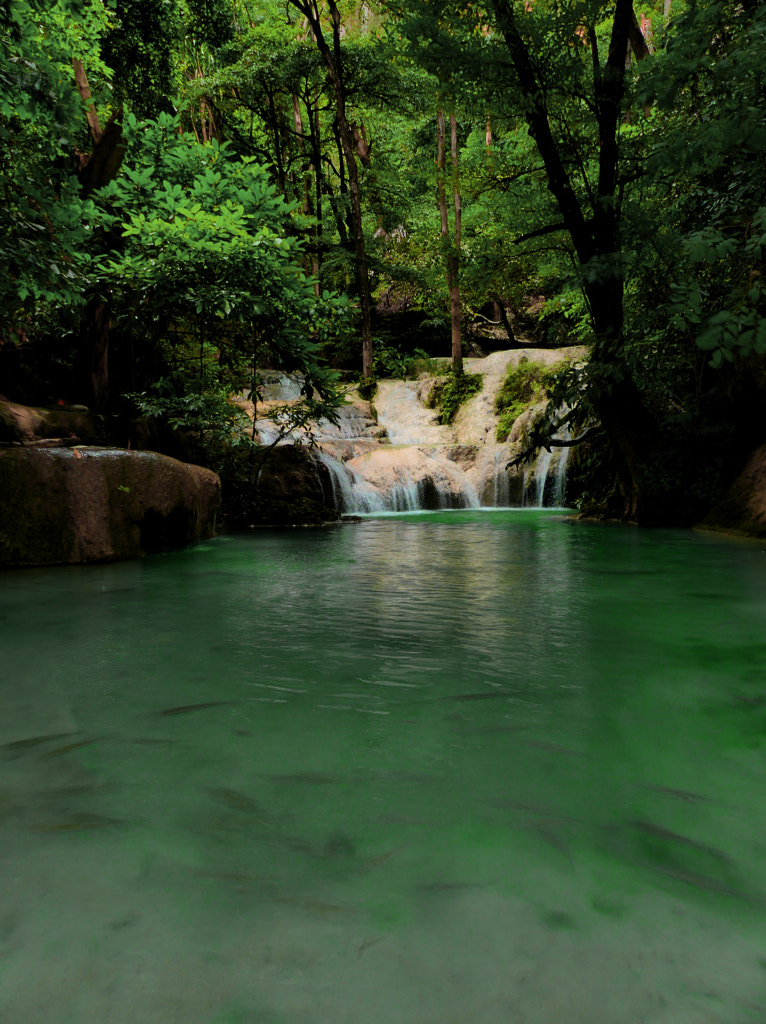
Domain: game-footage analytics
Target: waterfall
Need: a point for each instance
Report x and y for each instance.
(350, 491)
(397, 457)
(426, 483)
(558, 497)
(541, 475)
(501, 486)
(546, 482)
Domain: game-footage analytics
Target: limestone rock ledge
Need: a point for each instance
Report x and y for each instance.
(87, 504)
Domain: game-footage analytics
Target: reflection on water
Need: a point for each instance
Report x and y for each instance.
(466, 766)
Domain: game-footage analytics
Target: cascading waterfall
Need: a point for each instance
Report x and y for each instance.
(402, 459)
(548, 482)
(350, 491)
(541, 476)
(558, 498)
(501, 485)
(403, 491)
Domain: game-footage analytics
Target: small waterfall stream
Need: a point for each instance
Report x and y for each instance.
(400, 458)
(350, 491)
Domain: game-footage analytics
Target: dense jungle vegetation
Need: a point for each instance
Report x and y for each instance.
(195, 190)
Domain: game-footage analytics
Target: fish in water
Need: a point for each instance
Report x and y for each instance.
(374, 862)
(237, 801)
(478, 696)
(70, 747)
(36, 741)
(337, 847)
(682, 794)
(440, 887)
(704, 882)
(650, 829)
(79, 823)
(312, 778)
(183, 709)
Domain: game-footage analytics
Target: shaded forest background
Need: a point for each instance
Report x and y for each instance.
(196, 190)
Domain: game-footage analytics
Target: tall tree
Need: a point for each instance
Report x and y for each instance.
(593, 224)
(332, 56)
(450, 246)
(572, 99)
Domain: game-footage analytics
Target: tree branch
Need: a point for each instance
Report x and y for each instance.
(554, 442)
(549, 229)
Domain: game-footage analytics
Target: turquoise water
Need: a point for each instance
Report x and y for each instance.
(471, 767)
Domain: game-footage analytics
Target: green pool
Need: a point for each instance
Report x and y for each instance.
(470, 767)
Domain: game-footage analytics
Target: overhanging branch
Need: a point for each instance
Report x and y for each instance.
(554, 442)
(549, 229)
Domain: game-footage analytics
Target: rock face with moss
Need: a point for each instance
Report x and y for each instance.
(74, 505)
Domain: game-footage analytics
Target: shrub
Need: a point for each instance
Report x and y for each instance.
(524, 385)
(449, 393)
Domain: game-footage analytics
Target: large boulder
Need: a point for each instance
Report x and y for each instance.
(73, 505)
(292, 487)
(23, 424)
(742, 510)
(289, 472)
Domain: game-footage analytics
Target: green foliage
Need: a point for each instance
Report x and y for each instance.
(707, 166)
(450, 392)
(524, 385)
(208, 257)
(211, 21)
(44, 220)
(141, 48)
(201, 406)
(367, 388)
(391, 360)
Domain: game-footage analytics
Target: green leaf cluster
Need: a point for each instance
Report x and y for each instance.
(524, 385)
(449, 393)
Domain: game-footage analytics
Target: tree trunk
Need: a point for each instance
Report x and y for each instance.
(333, 62)
(98, 169)
(595, 237)
(454, 297)
(453, 285)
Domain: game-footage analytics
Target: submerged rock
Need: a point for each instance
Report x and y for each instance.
(74, 505)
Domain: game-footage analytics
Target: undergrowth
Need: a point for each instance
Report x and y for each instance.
(450, 392)
(524, 385)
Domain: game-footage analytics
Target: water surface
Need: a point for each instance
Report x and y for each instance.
(424, 769)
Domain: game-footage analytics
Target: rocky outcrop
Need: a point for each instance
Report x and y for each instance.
(290, 487)
(742, 510)
(25, 424)
(87, 504)
(290, 472)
